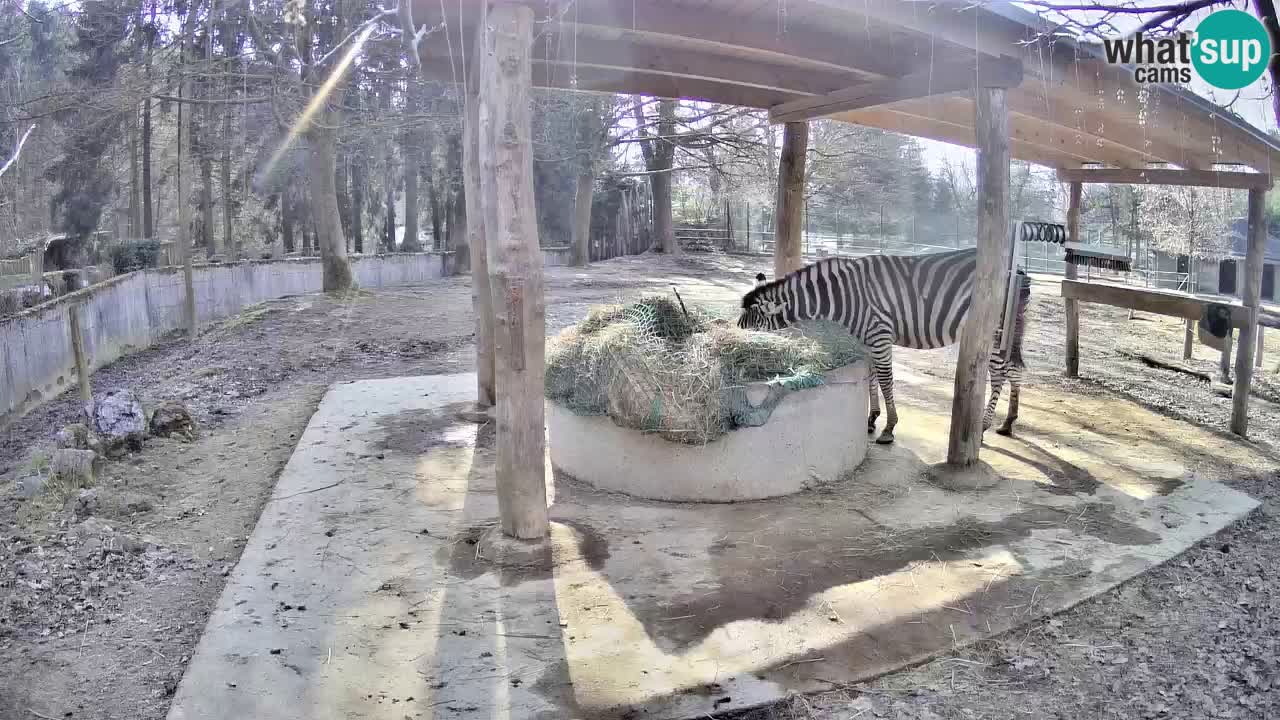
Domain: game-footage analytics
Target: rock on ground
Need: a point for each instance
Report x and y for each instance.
(78, 436)
(173, 418)
(74, 468)
(108, 503)
(119, 418)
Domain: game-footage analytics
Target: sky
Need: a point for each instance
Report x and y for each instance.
(1254, 104)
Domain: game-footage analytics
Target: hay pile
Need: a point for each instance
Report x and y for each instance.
(653, 366)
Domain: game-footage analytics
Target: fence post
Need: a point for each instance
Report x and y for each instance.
(77, 350)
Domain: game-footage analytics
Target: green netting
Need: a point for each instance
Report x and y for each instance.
(657, 367)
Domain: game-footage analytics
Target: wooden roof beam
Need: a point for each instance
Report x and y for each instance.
(693, 28)
(952, 25)
(592, 79)
(1097, 125)
(956, 110)
(1093, 83)
(951, 77)
(602, 54)
(892, 120)
(1168, 176)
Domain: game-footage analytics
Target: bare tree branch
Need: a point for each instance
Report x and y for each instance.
(17, 150)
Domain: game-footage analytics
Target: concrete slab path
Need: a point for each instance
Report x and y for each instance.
(361, 593)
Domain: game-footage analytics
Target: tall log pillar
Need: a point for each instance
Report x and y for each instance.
(1069, 272)
(515, 268)
(1251, 298)
(991, 125)
(481, 297)
(787, 255)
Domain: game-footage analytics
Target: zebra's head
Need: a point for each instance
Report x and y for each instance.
(762, 308)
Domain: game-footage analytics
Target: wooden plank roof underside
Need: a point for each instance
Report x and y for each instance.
(1070, 110)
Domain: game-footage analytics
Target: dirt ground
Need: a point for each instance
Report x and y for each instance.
(98, 617)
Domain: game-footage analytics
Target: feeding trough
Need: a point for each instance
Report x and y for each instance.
(666, 403)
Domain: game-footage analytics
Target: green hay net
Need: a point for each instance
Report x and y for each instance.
(652, 366)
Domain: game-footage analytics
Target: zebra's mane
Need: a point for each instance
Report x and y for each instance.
(754, 294)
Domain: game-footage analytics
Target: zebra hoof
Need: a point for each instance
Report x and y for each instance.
(886, 438)
(1005, 430)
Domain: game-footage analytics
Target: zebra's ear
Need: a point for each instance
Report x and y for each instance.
(761, 279)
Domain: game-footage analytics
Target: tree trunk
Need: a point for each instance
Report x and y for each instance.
(184, 199)
(389, 222)
(664, 232)
(148, 221)
(357, 202)
(206, 197)
(787, 251)
(323, 159)
(147, 218)
(229, 244)
(433, 200)
(341, 181)
(411, 242)
(286, 220)
(515, 271)
(135, 177)
(582, 218)
(412, 164)
(659, 156)
(456, 230)
(626, 226)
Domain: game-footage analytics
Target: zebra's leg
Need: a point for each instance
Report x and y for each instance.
(884, 375)
(875, 401)
(997, 372)
(1015, 385)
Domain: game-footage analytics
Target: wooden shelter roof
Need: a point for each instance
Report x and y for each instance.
(908, 66)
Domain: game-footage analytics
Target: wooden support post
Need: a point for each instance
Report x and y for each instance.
(1257, 358)
(1069, 272)
(1188, 339)
(991, 123)
(481, 297)
(515, 269)
(77, 350)
(787, 255)
(1251, 298)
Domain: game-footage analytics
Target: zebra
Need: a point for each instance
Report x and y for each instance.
(914, 301)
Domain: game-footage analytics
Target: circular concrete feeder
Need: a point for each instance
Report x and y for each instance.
(812, 437)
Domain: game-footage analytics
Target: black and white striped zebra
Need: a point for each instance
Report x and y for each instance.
(914, 301)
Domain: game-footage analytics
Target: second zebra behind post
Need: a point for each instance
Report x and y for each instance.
(913, 301)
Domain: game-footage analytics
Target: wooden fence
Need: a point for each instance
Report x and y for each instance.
(21, 271)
